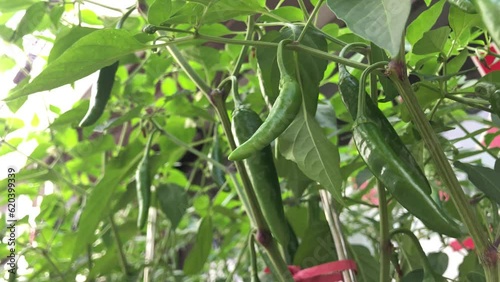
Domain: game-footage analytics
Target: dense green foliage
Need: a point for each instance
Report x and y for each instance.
(174, 208)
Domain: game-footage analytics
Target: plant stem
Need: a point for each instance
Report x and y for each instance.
(254, 272)
(238, 259)
(191, 73)
(45, 254)
(56, 173)
(310, 19)
(119, 246)
(468, 102)
(244, 49)
(303, 8)
(397, 73)
(103, 6)
(474, 139)
(297, 47)
(362, 85)
(331, 38)
(336, 231)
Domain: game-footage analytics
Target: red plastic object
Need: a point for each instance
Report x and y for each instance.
(327, 272)
(488, 63)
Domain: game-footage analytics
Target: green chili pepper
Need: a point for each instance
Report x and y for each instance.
(390, 161)
(105, 83)
(495, 102)
(262, 172)
(396, 175)
(464, 5)
(218, 174)
(143, 185)
(349, 90)
(100, 99)
(282, 114)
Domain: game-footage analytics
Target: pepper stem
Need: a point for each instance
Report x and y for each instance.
(362, 84)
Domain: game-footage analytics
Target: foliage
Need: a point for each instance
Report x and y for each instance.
(182, 65)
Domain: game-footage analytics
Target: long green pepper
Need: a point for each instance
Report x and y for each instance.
(99, 100)
(262, 172)
(282, 114)
(143, 185)
(105, 81)
(388, 158)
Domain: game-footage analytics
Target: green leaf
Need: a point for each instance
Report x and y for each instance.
(30, 21)
(490, 11)
(98, 145)
(173, 201)
(291, 13)
(475, 277)
(304, 143)
(98, 202)
(201, 249)
(492, 77)
(368, 270)
(14, 6)
(296, 181)
(316, 246)
(66, 38)
(470, 264)
(159, 11)
(455, 64)
(205, 12)
(439, 262)
(416, 275)
(28, 179)
(424, 22)
(311, 68)
(56, 14)
(6, 63)
(379, 55)
(88, 55)
(432, 42)
(379, 21)
(72, 117)
(461, 24)
(228, 9)
(485, 179)
(409, 253)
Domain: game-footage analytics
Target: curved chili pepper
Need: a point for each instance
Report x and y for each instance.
(389, 160)
(105, 83)
(282, 114)
(100, 99)
(143, 185)
(349, 90)
(262, 172)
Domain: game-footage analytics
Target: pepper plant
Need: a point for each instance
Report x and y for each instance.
(228, 137)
